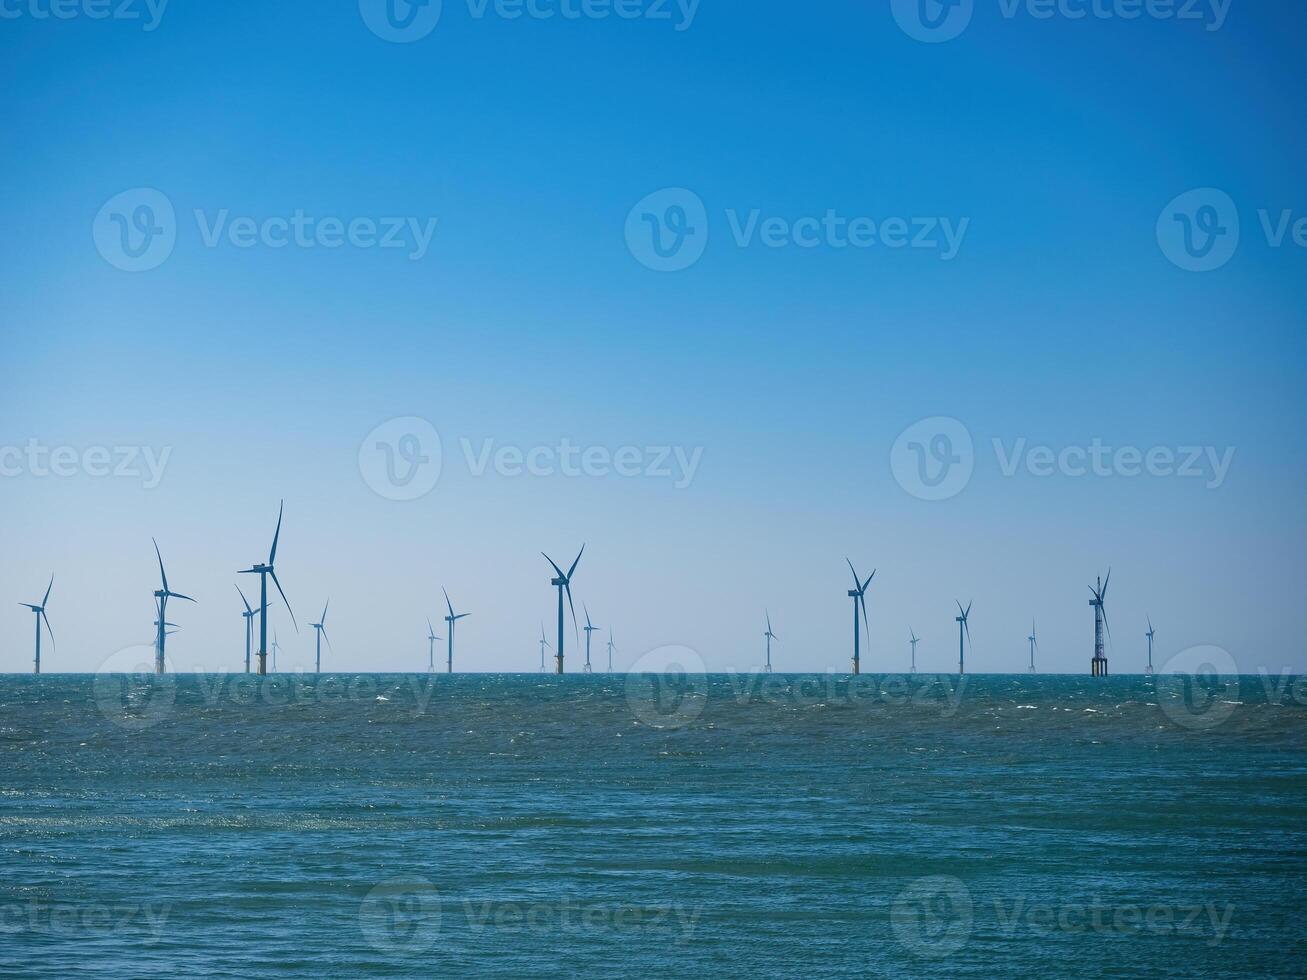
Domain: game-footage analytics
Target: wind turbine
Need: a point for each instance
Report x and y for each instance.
(1098, 666)
(610, 649)
(321, 628)
(563, 582)
(40, 615)
(248, 615)
(1034, 645)
(1150, 634)
(914, 641)
(451, 619)
(544, 645)
(161, 596)
(770, 636)
(275, 647)
(263, 571)
(431, 648)
(588, 630)
(963, 627)
(859, 596)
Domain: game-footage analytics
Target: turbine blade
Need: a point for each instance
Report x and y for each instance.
(47, 627)
(866, 627)
(328, 639)
(856, 580)
(162, 574)
(447, 602)
(324, 612)
(575, 632)
(768, 615)
(968, 612)
(462, 616)
(960, 612)
(586, 610)
(47, 592)
(244, 600)
(178, 595)
(868, 582)
(555, 564)
(276, 535)
(1105, 581)
(577, 562)
(284, 599)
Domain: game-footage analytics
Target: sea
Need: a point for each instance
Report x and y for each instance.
(652, 825)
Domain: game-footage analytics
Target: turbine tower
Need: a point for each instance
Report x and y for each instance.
(770, 636)
(1098, 667)
(248, 615)
(1150, 634)
(544, 645)
(320, 627)
(431, 648)
(263, 571)
(40, 615)
(610, 649)
(451, 619)
(563, 582)
(963, 629)
(914, 641)
(1034, 645)
(161, 596)
(859, 596)
(588, 630)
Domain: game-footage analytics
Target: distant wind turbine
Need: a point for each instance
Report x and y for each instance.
(589, 628)
(320, 627)
(451, 619)
(610, 649)
(1034, 645)
(263, 571)
(544, 645)
(769, 636)
(431, 647)
(1098, 667)
(563, 582)
(161, 596)
(859, 596)
(1150, 634)
(914, 641)
(963, 627)
(40, 615)
(248, 615)
(275, 647)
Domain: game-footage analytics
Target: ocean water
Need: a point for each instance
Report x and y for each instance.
(722, 826)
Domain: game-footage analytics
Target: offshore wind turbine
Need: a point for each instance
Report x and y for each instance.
(40, 615)
(161, 597)
(1150, 634)
(589, 628)
(1098, 666)
(610, 649)
(320, 628)
(431, 648)
(563, 582)
(859, 596)
(963, 627)
(914, 641)
(248, 615)
(770, 636)
(1034, 645)
(544, 645)
(263, 570)
(451, 619)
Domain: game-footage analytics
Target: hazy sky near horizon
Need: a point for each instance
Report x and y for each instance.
(758, 397)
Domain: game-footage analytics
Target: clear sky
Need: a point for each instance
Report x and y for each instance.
(1060, 314)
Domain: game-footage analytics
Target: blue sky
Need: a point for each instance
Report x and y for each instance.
(528, 320)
